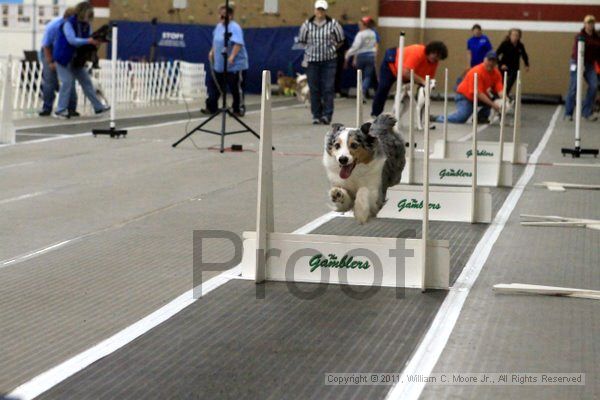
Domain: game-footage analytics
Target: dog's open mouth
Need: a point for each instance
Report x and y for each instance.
(346, 170)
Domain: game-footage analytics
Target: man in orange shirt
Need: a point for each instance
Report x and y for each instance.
(420, 58)
(489, 81)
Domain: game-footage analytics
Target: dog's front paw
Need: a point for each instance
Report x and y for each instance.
(340, 199)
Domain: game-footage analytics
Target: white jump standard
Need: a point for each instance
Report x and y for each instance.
(112, 130)
(335, 259)
(577, 151)
(447, 203)
(488, 150)
(459, 171)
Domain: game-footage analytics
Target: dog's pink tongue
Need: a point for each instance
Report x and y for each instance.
(346, 170)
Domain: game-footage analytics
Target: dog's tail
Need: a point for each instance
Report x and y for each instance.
(382, 125)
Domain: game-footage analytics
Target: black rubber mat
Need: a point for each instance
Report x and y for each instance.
(230, 345)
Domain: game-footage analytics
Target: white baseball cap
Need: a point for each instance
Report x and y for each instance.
(321, 4)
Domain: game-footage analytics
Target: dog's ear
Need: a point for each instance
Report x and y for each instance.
(365, 128)
(336, 127)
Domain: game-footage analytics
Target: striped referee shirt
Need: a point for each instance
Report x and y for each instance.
(321, 41)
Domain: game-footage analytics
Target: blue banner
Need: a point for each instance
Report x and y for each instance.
(268, 48)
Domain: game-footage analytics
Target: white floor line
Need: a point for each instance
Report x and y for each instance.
(25, 196)
(470, 134)
(64, 370)
(59, 373)
(35, 253)
(50, 139)
(427, 354)
(17, 164)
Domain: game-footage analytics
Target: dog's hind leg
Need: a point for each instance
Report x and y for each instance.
(341, 199)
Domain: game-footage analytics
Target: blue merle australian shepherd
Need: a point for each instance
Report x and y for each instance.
(362, 164)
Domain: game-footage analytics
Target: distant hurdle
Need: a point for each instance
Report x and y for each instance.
(336, 259)
(488, 150)
(459, 202)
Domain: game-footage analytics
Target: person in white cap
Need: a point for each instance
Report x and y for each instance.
(321, 35)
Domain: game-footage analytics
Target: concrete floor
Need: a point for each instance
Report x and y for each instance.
(97, 233)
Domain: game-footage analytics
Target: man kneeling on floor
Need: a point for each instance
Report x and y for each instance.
(489, 83)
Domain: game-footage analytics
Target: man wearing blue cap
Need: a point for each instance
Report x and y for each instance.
(489, 81)
(49, 76)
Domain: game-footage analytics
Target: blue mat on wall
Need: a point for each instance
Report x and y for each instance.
(268, 48)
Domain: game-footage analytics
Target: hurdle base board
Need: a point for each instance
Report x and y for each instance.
(446, 203)
(438, 260)
(485, 150)
(458, 172)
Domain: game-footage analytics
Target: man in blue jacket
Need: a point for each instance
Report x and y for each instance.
(49, 77)
(74, 32)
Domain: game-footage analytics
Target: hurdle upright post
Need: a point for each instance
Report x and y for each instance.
(264, 207)
(577, 151)
(7, 129)
(474, 150)
(445, 126)
(411, 150)
(517, 123)
(400, 58)
(359, 98)
(425, 228)
(112, 129)
(502, 120)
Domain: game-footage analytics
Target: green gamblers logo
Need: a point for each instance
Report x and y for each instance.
(454, 173)
(332, 261)
(480, 153)
(413, 203)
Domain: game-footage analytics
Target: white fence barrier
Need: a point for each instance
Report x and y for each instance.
(139, 82)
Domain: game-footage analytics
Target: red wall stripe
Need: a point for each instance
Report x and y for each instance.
(100, 3)
(482, 10)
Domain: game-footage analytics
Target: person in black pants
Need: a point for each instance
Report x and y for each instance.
(217, 81)
(510, 52)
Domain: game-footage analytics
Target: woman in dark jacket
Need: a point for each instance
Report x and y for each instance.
(74, 33)
(510, 52)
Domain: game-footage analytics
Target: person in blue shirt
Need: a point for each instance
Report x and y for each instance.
(477, 47)
(74, 32)
(237, 65)
(49, 77)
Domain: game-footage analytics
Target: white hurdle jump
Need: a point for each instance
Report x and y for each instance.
(460, 171)
(446, 203)
(444, 148)
(352, 260)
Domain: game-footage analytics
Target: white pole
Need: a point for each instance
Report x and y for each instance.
(411, 139)
(34, 17)
(580, 67)
(7, 129)
(422, 18)
(474, 149)
(264, 211)
(425, 228)
(517, 123)
(501, 138)
(113, 77)
(399, 68)
(445, 127)
(359, 98)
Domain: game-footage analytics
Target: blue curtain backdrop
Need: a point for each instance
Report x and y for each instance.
(268, 48)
